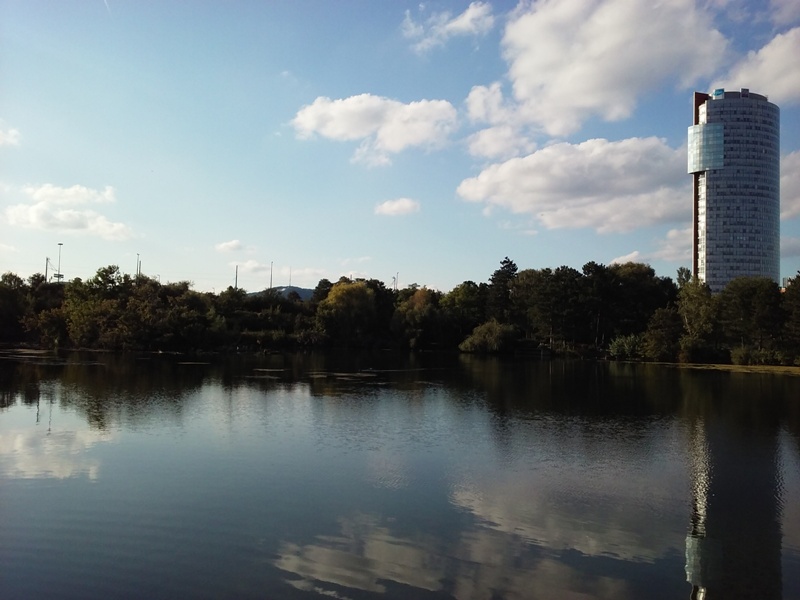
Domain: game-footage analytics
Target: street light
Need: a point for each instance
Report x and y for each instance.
(58, 276)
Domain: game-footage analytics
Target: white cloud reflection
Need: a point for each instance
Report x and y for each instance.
(40, 454)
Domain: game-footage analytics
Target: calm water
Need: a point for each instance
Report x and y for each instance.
(379, 477)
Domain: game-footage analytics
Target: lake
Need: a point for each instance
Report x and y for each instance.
(394, 477)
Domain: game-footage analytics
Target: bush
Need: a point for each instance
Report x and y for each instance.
(488, 337)
(744, 355)
(626, 347)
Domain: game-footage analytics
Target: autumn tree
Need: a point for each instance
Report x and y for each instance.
(346, 316)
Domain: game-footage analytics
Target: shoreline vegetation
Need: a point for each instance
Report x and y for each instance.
(620, 312)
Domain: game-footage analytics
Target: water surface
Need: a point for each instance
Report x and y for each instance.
(305, 476)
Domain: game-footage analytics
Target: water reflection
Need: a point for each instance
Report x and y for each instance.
(368, 477)
(734, 547)
(27, 453)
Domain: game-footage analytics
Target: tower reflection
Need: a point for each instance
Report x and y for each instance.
(733, 550)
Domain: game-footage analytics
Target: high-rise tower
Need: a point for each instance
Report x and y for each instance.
(734, 159)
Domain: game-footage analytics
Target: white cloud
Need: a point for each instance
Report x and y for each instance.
(676, 247)
(790, 185)
(9, 137)
(570, 60)
(486, 104)
(773, 70)
(785, 12)
(476, 20)
(231, 246)
(500, 142)
(606, 186)
(634, 256)
(52, 208)
(394, 208)
(385, 126)
(77, 194)
(252, 266)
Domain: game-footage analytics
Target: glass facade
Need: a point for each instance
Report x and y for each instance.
(734, 157)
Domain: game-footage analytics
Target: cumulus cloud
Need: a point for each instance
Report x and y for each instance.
(437, 29)
(54, 208)
(790, 185)
(394, 208)
(385, 126)
(676, 247)
(634, 256)
(785, 12)
(231, 246)
(500, 142)
(773, 69)
(9, 137)
(77, 194)
(487, 104)
(253, 266)
(570, 60)
(606, 186)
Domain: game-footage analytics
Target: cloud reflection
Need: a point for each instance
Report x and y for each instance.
(34, 454)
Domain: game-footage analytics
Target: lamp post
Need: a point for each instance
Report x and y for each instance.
(58, 276)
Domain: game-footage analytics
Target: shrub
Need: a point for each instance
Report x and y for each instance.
(626, 347)
(488, 337)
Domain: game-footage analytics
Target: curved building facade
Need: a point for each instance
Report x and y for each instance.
(734, 159)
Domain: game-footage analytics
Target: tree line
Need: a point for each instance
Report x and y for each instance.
(623, 311)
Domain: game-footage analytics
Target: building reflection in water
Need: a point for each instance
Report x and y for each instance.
(733, 550)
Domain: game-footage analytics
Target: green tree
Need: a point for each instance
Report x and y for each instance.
(598, 286)
(500, 305)
(416, 321)
(791, 306)
(661, 341)
(684, 276)
(750, 312)
(638, 292)
(698, 311)
(321, 291)
(463, 309)
(347, 315)
(13, 307)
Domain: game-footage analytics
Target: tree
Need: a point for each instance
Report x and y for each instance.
(661, 341)
(416, 320)
(598, 304)
(697, 309)
(500, 284)
(791, 306)
(13, 307)
(684, 276)
(321, 291)
(750, 312)
(638, 292)
(463, 308)
(347, 315)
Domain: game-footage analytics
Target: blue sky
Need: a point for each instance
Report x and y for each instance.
(308, 139)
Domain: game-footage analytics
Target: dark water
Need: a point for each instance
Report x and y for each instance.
(387, 477)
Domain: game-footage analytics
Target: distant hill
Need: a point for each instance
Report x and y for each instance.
(284, 290)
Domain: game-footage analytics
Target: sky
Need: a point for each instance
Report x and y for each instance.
(243, 143)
